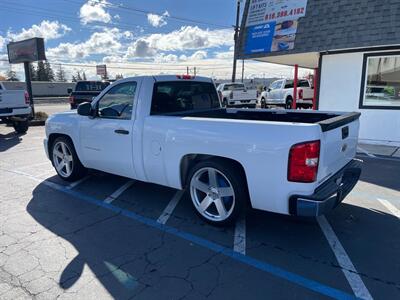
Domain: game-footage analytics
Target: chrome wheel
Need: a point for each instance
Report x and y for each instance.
(62, 159)
(212, 194)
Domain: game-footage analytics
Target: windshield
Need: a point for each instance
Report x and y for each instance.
(91, 86)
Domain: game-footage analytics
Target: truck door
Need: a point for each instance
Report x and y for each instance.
(106, 140)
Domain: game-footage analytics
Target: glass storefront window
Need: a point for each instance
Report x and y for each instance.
(381, 86)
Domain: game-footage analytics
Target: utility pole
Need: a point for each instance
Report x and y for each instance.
(29, 87)
(187, 70)
(194, 71)
(236, 36)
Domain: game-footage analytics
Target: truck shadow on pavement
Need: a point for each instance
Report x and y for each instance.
(130, 259)
(9, 140)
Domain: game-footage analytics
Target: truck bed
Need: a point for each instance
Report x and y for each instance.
(326, 120)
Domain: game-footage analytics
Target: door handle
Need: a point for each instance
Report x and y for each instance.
(121, 131)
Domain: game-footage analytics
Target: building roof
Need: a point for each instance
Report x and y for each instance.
(336, 25)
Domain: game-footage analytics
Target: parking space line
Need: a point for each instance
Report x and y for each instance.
(348, 269)
(118, 192)
(34, 165)
(75, 183)
(170, 207)
(258, 264)
(239, 241)
(394, 210)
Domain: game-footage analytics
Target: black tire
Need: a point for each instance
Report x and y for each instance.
(289, 102)
(239, 184)
(78, 170)
(21, 126)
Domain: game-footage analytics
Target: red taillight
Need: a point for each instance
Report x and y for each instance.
(303, 162)
(184, 77)
(71, 99)
(27, 100)
(300, 94)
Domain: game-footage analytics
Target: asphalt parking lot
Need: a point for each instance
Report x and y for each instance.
(109, 237)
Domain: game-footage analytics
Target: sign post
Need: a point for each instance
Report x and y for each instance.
(27, 51)
(29, 86)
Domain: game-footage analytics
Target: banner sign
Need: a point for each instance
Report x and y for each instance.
(271, 25)
(101, 70)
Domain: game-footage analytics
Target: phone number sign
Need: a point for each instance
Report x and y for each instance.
(261, 11)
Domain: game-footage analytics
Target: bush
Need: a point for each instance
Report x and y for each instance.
(40, 115)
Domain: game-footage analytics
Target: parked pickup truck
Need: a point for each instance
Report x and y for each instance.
(15, 108)
(236, 95)
(85, 91)
(280, 93)
(172, 131)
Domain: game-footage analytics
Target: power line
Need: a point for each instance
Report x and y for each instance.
(142, 11)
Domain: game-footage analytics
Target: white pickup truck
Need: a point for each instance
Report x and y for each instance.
(236, 95)
(172, 131)
(14, 108)
(280, 93)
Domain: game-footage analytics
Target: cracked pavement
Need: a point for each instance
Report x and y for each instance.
(55, 246)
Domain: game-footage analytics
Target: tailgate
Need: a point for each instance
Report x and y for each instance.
(243, 95)
(338, 143)
(12, 99)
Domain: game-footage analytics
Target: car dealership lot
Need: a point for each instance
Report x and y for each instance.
(107, 236)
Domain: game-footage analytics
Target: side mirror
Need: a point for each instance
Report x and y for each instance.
(85, 109)
(268, 90)
(69, 90)
(265, 88)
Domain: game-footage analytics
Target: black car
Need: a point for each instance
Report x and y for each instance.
(85, 91)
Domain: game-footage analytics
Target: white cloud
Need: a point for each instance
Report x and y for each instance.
(186, 38)
(46, 29)
(166, 58)
(2, 42)
(94, 11)
(105, 42)
(198, 55)
(157, 20)
(224, 55)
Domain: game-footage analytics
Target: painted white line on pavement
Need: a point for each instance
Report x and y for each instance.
(239, 241)
(170, 207)
(34, 165)
(365, 151)
(355, 281)
(118, 192)
(393, 209)
(75, 183)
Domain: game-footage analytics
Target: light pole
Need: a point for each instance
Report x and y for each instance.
(235, 51)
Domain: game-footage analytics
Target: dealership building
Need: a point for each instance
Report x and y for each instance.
(353, 46)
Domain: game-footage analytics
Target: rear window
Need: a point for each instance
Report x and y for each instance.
(179, 96)
(303, 83)
(91, 86)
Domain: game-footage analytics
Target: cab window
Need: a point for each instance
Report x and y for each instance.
(179, 96)
(117, 103)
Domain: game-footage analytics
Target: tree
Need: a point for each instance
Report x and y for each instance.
(84, 76)
(12, 75)
(41, 71)
(33, 72)
(119, 76)
(78, 76)
(48, 71)
(60, 75)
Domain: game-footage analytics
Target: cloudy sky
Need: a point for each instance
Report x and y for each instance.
(131, 37)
